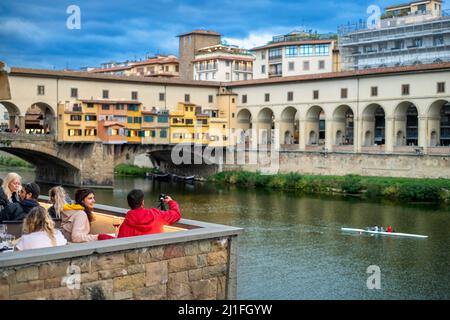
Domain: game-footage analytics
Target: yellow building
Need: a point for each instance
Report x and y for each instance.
(155, 127)
(134, 123)
(77, 122)
(431, 7)
(189, 125)
(218, 131)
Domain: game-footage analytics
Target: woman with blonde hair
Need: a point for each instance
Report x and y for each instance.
(39, 231)
(9, 191)
(58, 197)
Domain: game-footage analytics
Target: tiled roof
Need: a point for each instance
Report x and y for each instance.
(158, 60)
(108, 77)
(165, 81)
(107, 101)
(112, 123)
(200, 31)
(121, 68)
(291, 43)
(162, 60)
(346, 74)
(223, 58)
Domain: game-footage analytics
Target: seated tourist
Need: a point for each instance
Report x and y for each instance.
(39, 231)
(141, 221)
(19, 210)
(58, 198)
(9, 190)
(76, 218)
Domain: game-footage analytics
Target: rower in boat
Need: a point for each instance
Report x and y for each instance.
(392, 232)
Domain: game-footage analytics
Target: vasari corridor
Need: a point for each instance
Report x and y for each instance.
(260, 152)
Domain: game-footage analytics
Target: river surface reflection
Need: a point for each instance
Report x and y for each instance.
(293, 248)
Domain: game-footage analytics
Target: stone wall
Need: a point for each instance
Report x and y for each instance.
(189, 270)
(385, 165)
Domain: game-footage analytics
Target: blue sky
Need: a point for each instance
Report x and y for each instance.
(34, 33)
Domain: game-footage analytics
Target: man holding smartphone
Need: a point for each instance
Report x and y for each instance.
(141, 221)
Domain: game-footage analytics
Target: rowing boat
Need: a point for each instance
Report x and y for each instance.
(384, 233)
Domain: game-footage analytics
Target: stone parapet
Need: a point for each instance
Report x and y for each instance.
(198, 263)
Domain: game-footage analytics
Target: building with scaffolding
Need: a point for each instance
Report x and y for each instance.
(406, 34)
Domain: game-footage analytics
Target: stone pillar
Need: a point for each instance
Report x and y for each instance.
(357, 134)
(302, 135)
(389, 135)
(279, 126)
(97, 166)
(423, 133)
(22, 124)
(433, 124)
(12, 121)
(329, 134)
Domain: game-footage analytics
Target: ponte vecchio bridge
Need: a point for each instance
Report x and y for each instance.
(395, 118)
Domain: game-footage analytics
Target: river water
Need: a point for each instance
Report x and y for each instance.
(293, 248)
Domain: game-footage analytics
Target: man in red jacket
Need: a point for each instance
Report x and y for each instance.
(140, 221)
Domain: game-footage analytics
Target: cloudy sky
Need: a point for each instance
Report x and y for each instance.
(35, 34)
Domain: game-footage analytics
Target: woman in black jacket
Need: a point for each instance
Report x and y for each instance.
(9, 190)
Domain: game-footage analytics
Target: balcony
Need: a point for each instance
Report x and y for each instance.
(73, 109)
(275, 74)
(277, 57)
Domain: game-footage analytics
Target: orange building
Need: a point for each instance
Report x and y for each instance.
(112, 119)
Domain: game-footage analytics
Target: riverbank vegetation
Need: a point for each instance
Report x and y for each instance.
(399, 189)
(130, 170)
(14, 162)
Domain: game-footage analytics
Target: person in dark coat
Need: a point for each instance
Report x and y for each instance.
(9, 189)
(19, 210)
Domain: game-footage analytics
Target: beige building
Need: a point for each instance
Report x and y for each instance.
(4, 84)
(224, 63)
(159, 66)
(297, 53)
(387, 110)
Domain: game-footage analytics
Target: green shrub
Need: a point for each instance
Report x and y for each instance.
(14, 162)
(132, 170)
(262, 180)
(351, 184)
(399, 189)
